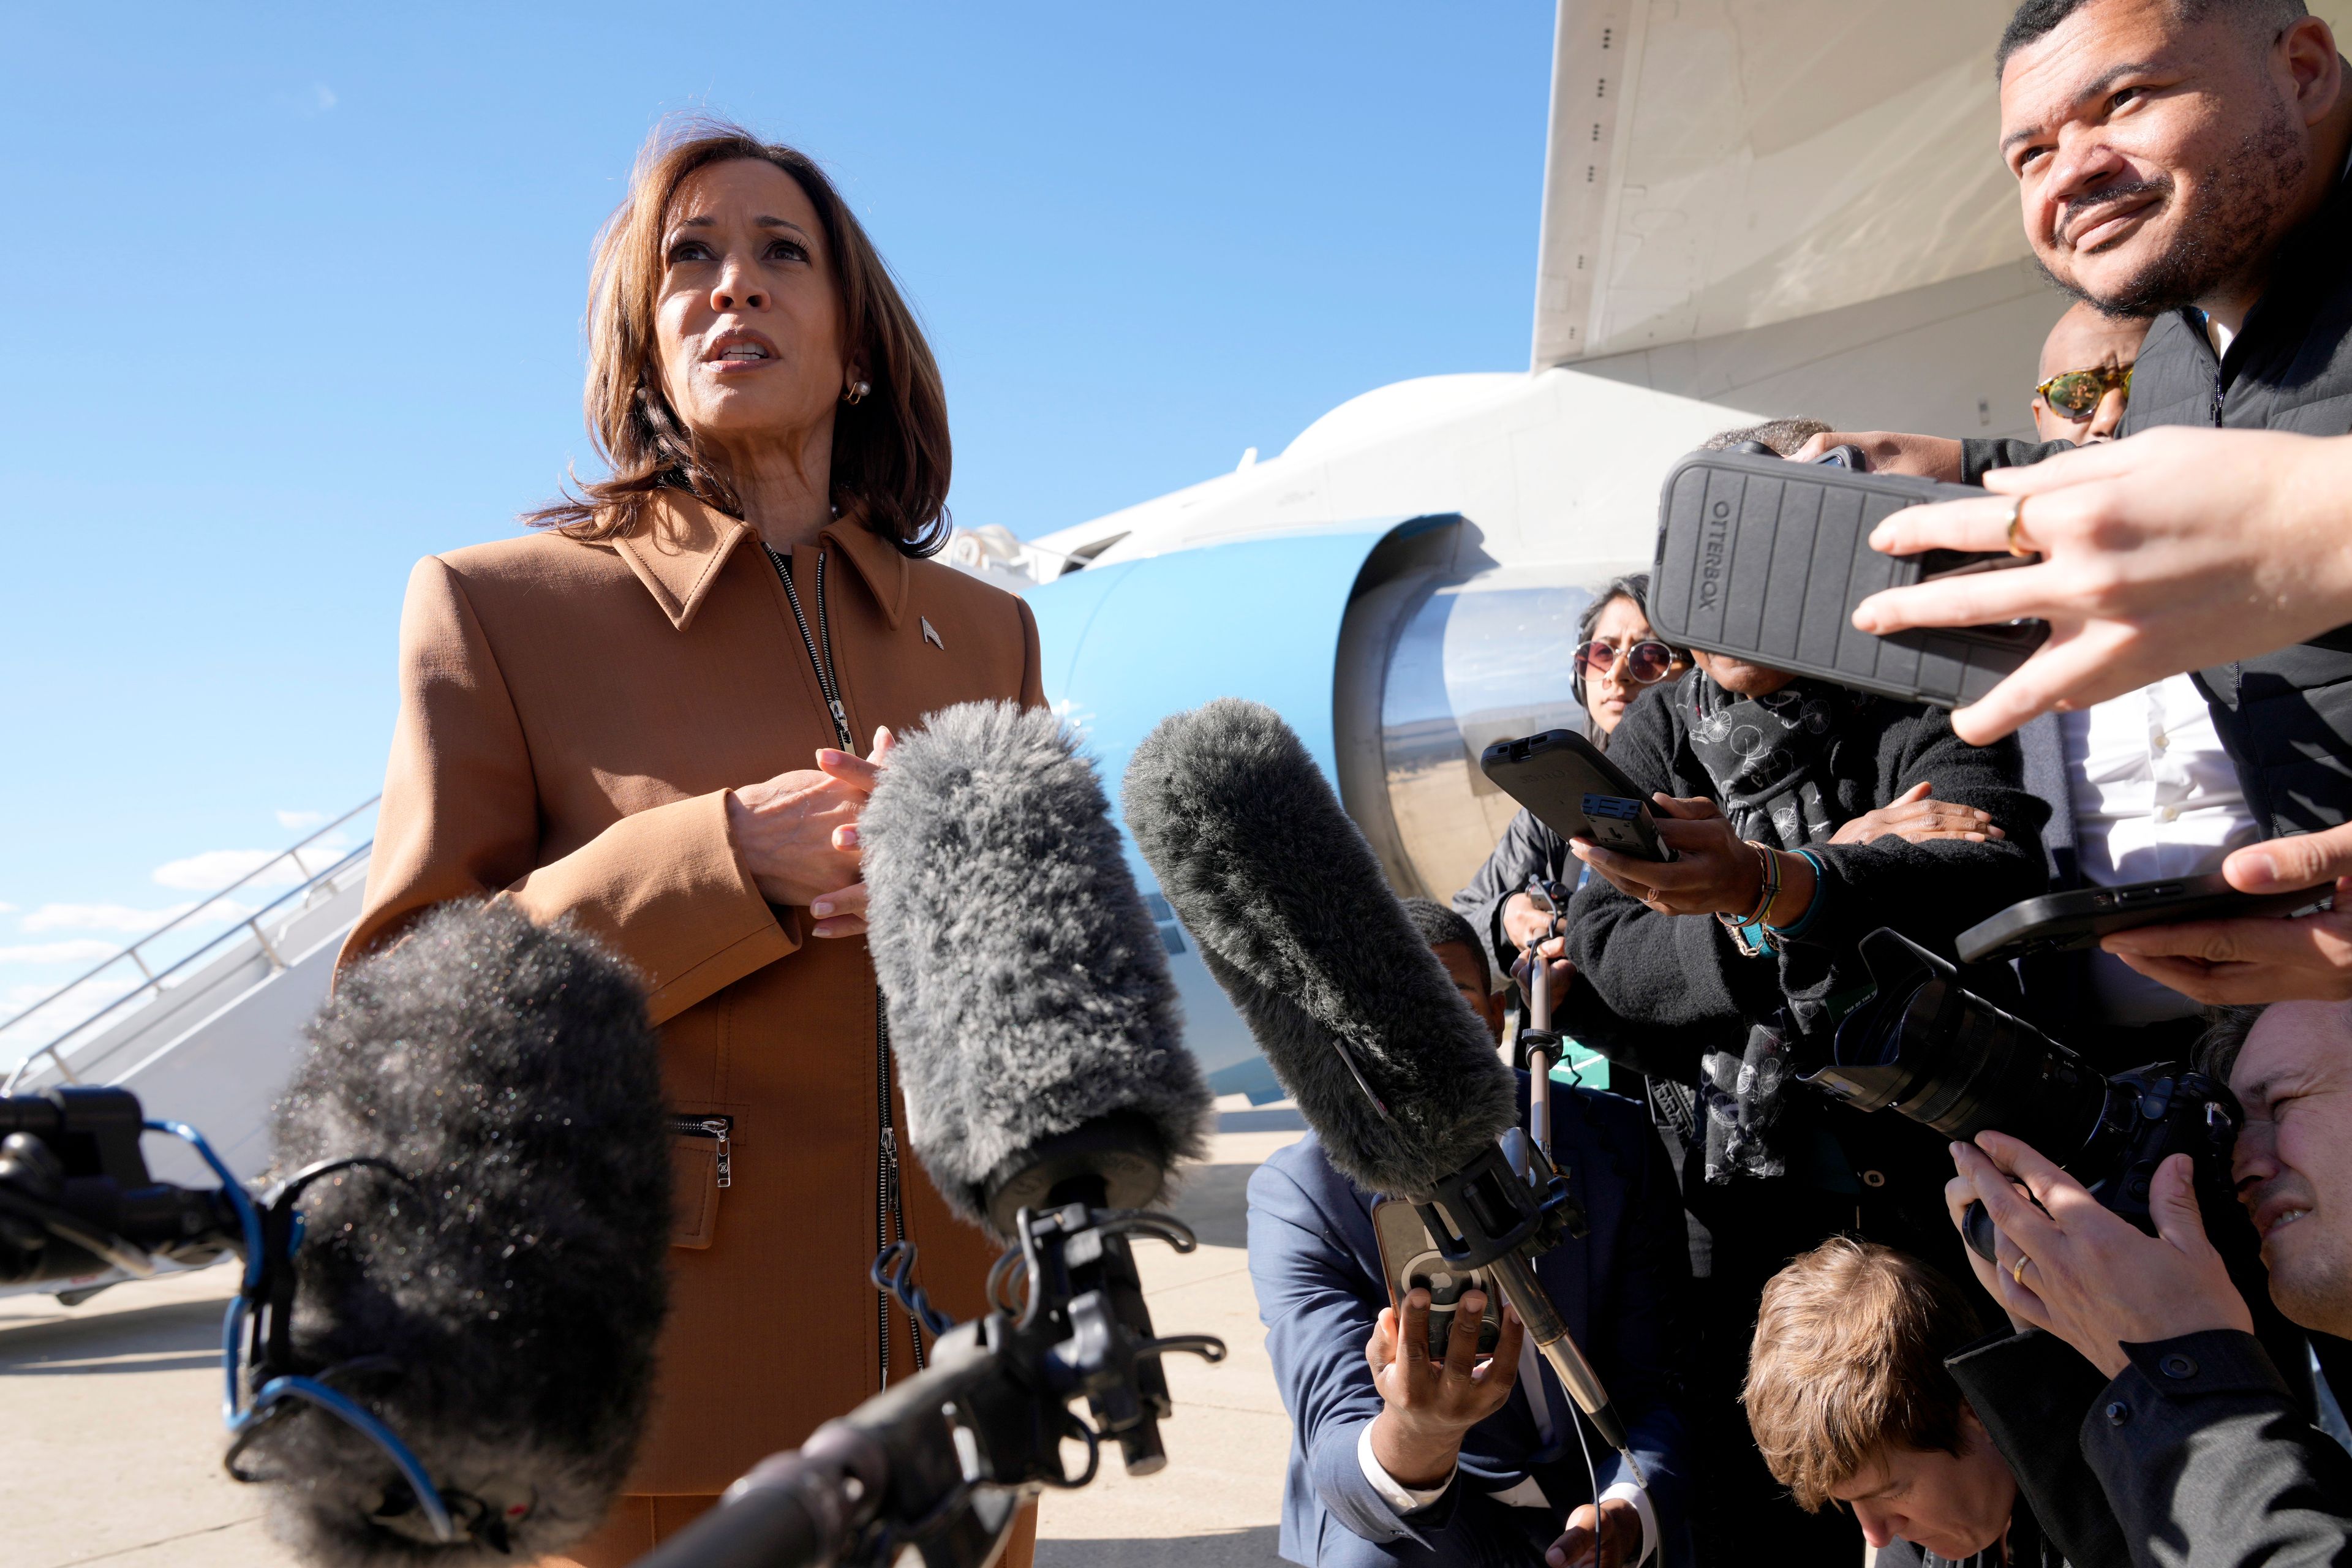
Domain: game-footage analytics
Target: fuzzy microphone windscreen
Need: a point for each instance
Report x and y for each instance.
(502, 1312)
(1297, 923)
(1028, 989)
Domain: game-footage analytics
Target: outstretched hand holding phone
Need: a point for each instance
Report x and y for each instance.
(2260, 958)
(2178, 548)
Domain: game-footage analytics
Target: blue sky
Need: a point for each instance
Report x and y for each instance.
(295, 297)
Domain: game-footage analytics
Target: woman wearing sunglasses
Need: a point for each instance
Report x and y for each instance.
(1618, 657)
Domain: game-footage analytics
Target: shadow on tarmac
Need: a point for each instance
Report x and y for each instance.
(1252, 1547)
(169, 1337)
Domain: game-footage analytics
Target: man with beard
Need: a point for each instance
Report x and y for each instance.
(2185, 159)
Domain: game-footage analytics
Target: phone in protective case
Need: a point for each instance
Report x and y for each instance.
(2057, 922)
(1563, 779)
(1764, 559)
(1410, 1260)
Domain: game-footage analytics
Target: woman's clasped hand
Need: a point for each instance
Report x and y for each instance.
(796, 834)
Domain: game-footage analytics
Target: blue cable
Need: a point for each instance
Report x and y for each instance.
(279, 1389)
(309, 1389)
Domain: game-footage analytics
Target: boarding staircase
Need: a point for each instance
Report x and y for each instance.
(205, 1034)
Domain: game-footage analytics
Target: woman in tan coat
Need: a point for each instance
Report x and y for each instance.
(648, 716)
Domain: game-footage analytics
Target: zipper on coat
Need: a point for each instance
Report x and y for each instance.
(821, 662)
(890, 1213)
(720, 1129)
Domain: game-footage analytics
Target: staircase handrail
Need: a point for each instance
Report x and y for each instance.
(153, 981)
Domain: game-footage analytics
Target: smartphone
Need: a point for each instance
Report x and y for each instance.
(1576, 792)
(1764, 559)
(1410, 1260)
(2058, 922)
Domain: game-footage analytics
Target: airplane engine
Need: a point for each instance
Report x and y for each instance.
(1398, 649)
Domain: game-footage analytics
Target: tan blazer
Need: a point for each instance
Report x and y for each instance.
(571, 718)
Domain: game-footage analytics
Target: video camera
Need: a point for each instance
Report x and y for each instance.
(76, 1198)
(1930, 1048)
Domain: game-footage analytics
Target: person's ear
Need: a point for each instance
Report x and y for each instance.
(2314, 71)
(1973, 1434)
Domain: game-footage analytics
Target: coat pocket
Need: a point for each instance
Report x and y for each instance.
(703, 1166)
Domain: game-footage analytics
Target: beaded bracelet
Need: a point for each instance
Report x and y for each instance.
(1805, 921)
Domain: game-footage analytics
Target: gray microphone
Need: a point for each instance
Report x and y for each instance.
(457, 1365)
(1356, 1017)
(1035, 1023)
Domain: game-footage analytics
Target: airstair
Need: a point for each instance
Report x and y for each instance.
(206, 1036)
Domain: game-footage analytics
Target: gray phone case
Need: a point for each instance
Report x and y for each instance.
(1764, 559)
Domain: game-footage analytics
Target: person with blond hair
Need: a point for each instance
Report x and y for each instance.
(658, 715)
(1851, 1401)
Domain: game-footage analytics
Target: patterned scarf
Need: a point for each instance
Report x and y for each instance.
(1767, 758)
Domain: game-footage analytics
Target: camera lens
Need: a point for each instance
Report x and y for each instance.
(1927, 1047)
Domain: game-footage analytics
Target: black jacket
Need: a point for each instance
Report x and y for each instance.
(2038, 1439)
(1527, 849)
(2197, 1447)
(1656, 991)
(2286, 717)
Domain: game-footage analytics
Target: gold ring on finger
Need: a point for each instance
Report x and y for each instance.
(2018, 543)
(2017, 1269)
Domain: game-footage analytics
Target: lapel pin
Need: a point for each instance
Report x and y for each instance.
(931, 634)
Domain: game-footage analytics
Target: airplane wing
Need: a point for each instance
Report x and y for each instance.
(1717, 165)
(1720, 166)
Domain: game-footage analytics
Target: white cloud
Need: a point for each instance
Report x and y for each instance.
(295, 821)
(121, 918)
(307, 102)
(86, 950)
(37, 1028)
(7, 908)
(217, 868)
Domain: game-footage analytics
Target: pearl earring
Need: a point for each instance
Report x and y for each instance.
(857, 393)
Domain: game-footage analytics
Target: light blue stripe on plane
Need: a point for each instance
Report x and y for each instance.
(1127, 645)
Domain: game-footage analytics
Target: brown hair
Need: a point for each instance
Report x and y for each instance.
(1848, 1361)
(890, 451)
(2215, 1053)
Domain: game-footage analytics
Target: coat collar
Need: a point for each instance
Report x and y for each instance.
(679, 549)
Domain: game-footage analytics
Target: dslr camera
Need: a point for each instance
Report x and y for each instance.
(1925, 1045)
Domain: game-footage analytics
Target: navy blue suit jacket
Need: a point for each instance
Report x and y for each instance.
(1622, 1289)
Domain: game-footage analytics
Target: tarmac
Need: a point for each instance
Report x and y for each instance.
(110, 1449)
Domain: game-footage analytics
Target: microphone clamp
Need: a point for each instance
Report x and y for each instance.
(1501, 1211)
(942, 1461)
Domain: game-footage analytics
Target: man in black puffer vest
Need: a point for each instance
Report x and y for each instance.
(2207, 190)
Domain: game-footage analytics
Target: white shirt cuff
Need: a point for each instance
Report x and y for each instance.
(1403, 1499)
(1641, 1502)
(1406, 1499)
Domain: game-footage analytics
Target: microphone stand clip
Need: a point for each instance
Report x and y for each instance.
(941, 1461)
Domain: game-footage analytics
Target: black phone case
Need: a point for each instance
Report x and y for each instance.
(1765, 559)
(1575, 791)
(2056, 922)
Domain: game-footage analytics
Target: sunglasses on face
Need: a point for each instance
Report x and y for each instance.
(2076, 392)
(1645, 662)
